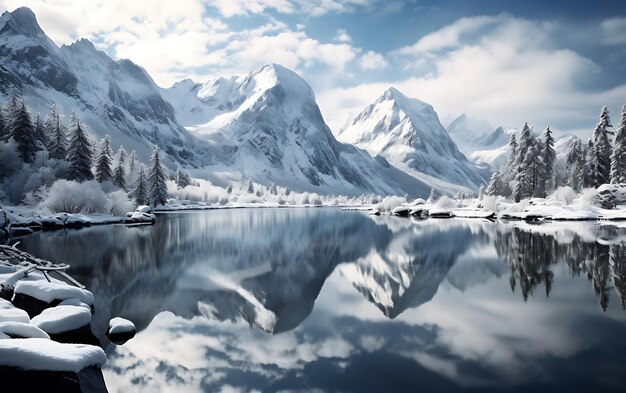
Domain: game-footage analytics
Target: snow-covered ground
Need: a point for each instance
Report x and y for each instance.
(27, 219)
(562, 205)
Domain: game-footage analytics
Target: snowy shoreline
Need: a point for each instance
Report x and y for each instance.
(46, 337)
(24, 221)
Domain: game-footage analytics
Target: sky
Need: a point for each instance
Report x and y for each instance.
(543, 62)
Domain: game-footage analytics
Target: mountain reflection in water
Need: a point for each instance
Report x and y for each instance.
(362, 303)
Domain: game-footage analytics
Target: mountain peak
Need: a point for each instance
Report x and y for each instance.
(22, 20)
(404, 102)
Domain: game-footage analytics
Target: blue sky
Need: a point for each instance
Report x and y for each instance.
(546, 62)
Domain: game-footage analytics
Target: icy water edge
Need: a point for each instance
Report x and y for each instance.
(324, 300)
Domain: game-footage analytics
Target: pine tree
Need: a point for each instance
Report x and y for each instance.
(250, 187)
(79, 153)
(182, 179)
(3, 125)
(496, 184)
(522, 170)
(588, 175)
(104, 161)
(119, 173)
(56, 134)
(40, 133)
(157, 180)
(601, 150)
(618, 159)
(22, 130)
(140, 190)
(11, 107)
(549, 162)
(574, 164)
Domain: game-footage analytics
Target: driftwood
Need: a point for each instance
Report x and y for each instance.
(25, 263)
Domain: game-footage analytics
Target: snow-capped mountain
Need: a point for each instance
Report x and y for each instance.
(407, 132)
(117, 98)
(269, 123)
(468, 132)
(480, 141)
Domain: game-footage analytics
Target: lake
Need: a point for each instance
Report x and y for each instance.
(324, 300)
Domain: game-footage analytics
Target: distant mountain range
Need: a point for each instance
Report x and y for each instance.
(408, 133)
(265, 126)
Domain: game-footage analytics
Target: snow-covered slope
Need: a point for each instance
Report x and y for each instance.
(112, 97)
(468, 132)
(408, 133)
(271, 127)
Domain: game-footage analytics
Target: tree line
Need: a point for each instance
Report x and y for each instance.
(530, 170)
(85, 159)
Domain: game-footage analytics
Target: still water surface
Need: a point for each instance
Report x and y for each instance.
(324, 300)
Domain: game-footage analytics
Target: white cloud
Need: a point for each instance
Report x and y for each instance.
(614, 31)
(342, 36)
(449, 36)
(230, 8)
(174, 42)
(504, 69)
(372, 61)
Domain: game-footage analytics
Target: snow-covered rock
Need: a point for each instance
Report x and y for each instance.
(120, 330)
(50, 291)
(45, 354)
(407, 132)
(62, 318)
(8, 312)
(14, 329)
(402, 211)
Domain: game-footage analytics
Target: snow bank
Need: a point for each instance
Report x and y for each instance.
(44, 354)
(49, 291)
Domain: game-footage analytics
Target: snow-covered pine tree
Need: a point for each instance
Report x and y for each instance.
(140, 189)
(132, 162)
(40, 133)
(3, 125)
(182, 179)
(56, 134)
(574, 164)
(104, 161)
(549, 162)
(11, 107)
(496, 184)
(250, 187)
(119, 173)
(601, 151)
(588, 175)
(79, 152)
(618, 159)
(157, 180)
(229, 189)
(522, 184)
(535, 166)
(22, 130)
(122, 155)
